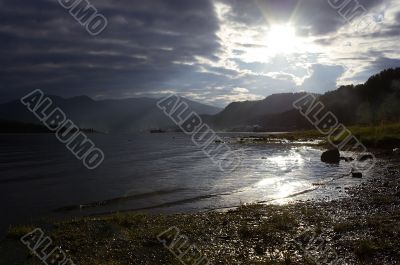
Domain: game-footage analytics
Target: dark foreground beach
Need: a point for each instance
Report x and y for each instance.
(360, 229)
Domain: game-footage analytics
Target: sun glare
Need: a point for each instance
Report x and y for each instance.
(281, 39)
(277, 39)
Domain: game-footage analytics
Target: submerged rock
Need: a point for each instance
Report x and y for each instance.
(357, 175)
(331, 156)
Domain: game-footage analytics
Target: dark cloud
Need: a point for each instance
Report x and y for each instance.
(42, 46)
(312, 17)
(388, 32)
(377, 66)
(325, 41)
(398, 17)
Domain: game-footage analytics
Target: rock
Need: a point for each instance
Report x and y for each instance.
(365, 157)
(331, 156)
(356, 174)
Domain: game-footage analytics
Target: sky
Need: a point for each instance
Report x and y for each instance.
(211, 51)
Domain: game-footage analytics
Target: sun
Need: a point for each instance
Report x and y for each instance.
(281, 39)
(271, 41)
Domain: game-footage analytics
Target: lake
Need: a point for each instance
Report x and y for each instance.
(164, 173)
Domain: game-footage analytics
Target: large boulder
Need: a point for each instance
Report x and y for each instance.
(331, 156)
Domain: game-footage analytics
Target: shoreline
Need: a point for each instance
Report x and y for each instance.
(360, 228)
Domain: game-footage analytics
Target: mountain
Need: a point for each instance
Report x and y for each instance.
(250, 113)
(376, 101)
(124, 115)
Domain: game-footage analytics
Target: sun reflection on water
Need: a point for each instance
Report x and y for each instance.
(293, 159)
(267, 182)
(283, 183)
(288, 189)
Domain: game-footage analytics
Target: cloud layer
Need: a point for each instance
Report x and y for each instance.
(213, 51)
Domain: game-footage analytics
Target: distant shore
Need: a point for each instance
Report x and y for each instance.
(382, 136)
(15, 127)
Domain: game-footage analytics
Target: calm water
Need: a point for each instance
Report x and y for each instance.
(158, 172)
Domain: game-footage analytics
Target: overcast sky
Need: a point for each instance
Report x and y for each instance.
(212, 51)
